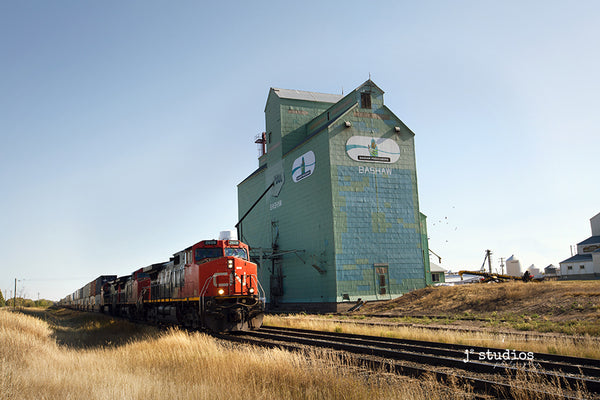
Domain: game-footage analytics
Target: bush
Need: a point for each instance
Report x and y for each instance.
(43, 303)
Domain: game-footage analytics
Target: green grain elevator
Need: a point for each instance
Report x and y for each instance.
(332, 212)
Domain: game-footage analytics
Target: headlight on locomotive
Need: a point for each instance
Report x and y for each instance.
(251, 290)
(230, 264)
(221, 292)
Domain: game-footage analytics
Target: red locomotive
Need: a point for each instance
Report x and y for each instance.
(211, 285)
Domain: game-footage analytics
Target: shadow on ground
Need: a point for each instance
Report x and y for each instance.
(84, 330)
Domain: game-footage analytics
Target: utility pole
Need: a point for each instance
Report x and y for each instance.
(488, 254)
(15, 298)
(502, 264)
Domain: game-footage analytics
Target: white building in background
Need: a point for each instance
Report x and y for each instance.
(513, 266)
(586, 263)
(595, 222)
(438, 274)
(552, 270)
(534, 271)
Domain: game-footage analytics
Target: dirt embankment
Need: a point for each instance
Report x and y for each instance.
(556, 301)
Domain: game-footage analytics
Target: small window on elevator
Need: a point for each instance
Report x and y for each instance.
(365, 100)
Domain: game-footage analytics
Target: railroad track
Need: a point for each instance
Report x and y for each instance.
(485, 369)
(526, 336)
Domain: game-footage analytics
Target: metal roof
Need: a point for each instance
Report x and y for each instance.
(578, 257)
(435, 268)
(590, 240)
(308, 96)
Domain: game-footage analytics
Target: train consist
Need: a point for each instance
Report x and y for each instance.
(211, 285)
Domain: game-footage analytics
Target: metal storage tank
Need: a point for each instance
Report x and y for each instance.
(513, 266)
(534, 271)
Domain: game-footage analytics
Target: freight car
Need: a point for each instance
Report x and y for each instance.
(211, 285)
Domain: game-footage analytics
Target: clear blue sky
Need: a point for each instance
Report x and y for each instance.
(125, 126)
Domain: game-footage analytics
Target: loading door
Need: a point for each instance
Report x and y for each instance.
(382, 280)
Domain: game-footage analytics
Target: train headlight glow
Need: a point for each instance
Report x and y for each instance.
(251, 290)
(221, 292)
(230, 264)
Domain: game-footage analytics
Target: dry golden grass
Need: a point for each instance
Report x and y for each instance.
(174, 365)
(564, 345)
(552, 298)
(569, 307)
(525, 385)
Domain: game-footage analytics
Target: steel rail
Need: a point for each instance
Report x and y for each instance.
(526, 335)
(550, 362)
(480, 385)
(374, 347)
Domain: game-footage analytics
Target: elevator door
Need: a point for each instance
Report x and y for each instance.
(382, 279)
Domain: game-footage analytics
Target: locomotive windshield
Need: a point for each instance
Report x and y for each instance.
(203, 254)
(236, 252)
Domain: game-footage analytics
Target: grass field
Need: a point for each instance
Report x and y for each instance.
(66, 355)
(61, 354)
(581, 346)
(567, 307)
(567, 312)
